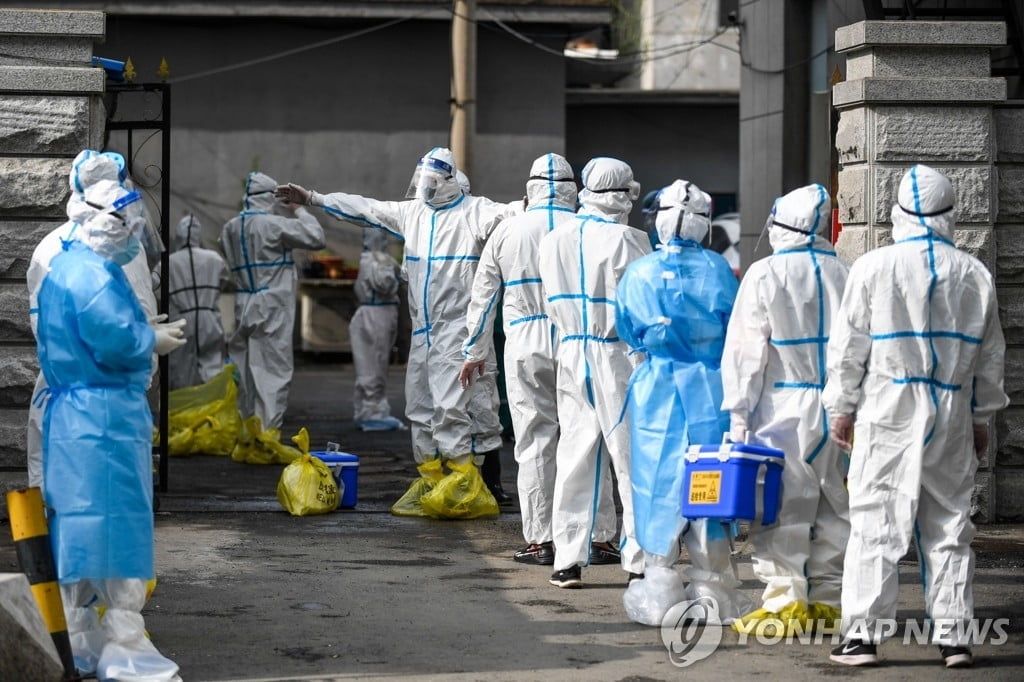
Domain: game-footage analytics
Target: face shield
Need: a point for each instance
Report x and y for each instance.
(149, 235)
(432, 175)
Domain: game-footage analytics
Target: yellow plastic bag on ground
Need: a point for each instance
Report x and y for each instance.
(256, 446)
(460, 495)
(794, 617)
(307, 487)
(204, 419)
(408, 504)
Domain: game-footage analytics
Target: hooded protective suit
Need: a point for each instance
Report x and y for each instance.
(444, 232)
(773, 371)
(674, 305)
(916, 355)
(509, 270)
(88, 168)
(373, 331)
(581, 264)
(95, 349)
(195, 284)
(257, 244)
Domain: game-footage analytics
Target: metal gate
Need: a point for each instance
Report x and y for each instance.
(136, 114)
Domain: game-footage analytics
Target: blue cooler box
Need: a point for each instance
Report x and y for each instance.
(732, 481)
(345, 468)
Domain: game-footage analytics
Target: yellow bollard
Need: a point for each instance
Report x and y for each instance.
(32, 544)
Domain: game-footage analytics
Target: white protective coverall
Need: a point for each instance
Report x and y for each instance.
(257, 245)
(916, 357)
(373, 331)
(674, 305)
(95, 346)
(509, 269)
(195, 284)
(444, 234)
(88, 168)
(773, 372)
(581, 263)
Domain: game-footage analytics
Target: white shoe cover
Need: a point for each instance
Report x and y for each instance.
(648, 600)
(130, 656)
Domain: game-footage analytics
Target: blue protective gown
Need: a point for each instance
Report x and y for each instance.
(675, 305)
(95, 350)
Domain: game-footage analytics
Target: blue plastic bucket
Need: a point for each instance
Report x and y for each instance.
(733, 481)
(345, 469)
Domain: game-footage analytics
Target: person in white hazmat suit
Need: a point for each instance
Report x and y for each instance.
(674, 305)
(373, 331)
(87, 168)
(444, 231)
(95, 347)
(195, 284)
(773, 372)
(257, 245)
(509, 269)
(581, 263)
(915, 366)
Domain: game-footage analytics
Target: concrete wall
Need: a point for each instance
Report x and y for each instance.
(696, 141)
(50, 109)
(895, 111)
(689, 48)
(352, 116)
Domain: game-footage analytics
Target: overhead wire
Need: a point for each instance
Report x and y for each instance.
(296, 50)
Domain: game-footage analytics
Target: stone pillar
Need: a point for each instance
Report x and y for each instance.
(50, 109)
(1009, 269)
(920, 92)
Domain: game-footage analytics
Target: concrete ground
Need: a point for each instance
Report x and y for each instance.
(247, 592)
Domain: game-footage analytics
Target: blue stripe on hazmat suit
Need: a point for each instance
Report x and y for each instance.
(95, 349)
(675, 305)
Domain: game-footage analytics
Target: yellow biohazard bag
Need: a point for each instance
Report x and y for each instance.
(307, 487)
(204, 419)
(256, 446)
(408, 504)
(460, 495)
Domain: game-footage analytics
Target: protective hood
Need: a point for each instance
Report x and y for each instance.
(434, 181)
(798, 217)
(89, 167)
(107, 231)
(374, 239)
(259, 192)
(78, 211)
(551, 183)
(188, 233)
(609, 188)
(925, 202)
(463, 181)
(684, 212)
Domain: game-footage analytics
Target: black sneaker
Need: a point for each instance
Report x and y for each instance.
(570, 577)
(956, 656)
(855, 652)
(540, 555)
(500, 496)
(604, 553)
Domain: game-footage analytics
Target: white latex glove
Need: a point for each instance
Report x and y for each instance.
(737, 429)
(169, 335)
(841, 431)
(292, 194)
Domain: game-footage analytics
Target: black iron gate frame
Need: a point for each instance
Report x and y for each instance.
(163, 126)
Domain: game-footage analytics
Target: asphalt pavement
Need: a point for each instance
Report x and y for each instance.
(247, 592)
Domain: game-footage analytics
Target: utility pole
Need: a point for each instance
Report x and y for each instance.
(463, 130)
